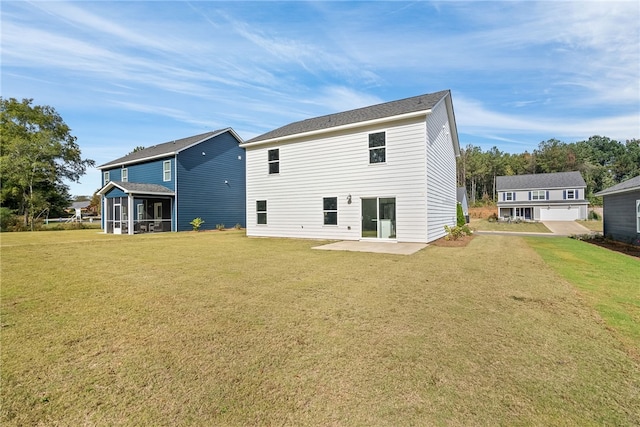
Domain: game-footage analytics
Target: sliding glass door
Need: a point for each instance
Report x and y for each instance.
(379, 217)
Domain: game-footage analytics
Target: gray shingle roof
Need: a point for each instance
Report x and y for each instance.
(628, 185)
(139, 188)
(166, 148)
(540, 181)
(387, 109)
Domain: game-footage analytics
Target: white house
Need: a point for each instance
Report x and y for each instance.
(559, 196)
(385, 172)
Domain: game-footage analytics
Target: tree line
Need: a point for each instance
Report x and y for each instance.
(602, 161)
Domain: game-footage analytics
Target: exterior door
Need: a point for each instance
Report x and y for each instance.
(379, 218)
(117, 218)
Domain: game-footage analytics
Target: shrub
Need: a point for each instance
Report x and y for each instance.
(7, 219)
(237, 226)
(457, 232)
(593, 215)
(220, 227)
(493, 217)
(460, 215)
(196, 223)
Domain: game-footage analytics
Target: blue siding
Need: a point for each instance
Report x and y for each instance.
(202, 191)
(115, 192)
(147, 172)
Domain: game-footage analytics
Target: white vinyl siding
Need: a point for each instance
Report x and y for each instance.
(441, 174)
(337, 164)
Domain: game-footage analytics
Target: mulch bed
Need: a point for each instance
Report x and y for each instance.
(461, 242)
(624, 248)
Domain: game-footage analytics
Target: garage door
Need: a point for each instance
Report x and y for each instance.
(559, 214)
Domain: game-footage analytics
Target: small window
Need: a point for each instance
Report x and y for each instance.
(125, 175)
(330, 210)
(377, 147)
(509, 196)
(571, 194)
(261, 211)
(638, 216)
(274, 161)
(106, 177)
(538, 195)
(166, 170)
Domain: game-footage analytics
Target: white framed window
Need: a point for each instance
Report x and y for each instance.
(166, 170)
(330, 210)
(125, 175)
(638, 216)
(377, 147)
(571, 194)
(538, 195)
(261, 212)
(140, 211)
(106, 177)
(509, 196)
(274, 161)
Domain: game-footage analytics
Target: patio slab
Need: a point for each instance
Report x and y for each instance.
(394, 248)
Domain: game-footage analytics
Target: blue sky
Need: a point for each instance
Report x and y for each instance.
(123, 74)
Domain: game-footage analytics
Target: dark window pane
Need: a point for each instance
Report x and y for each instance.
(331, 218)
(262, 218)
(330, 203)
(376, 139)
(274, 167)
(377, 155)
(274, 154)
(261, 205)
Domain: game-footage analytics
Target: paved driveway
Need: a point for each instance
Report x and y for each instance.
(566, 228)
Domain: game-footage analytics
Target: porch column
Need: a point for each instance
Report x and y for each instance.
(130, 211)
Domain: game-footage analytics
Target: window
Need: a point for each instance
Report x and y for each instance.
(509, 196)
(125, 175)
(261, 210)
(377, 142)
(330, 210)
(274, 161)
(538, 195)
(638, 216)
(166, 170)
(571, 194)
(106, 177)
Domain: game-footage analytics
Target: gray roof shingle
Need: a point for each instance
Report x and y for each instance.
(166, 148)
(628, 185)
(138, 188)
(540, 181)
(387, 109)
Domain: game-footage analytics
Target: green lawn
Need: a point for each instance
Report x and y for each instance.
(593, 225)
(215, 328)
(523, 227)
(608, 281)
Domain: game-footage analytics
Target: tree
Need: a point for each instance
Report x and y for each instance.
(38, 153)
(135, 150)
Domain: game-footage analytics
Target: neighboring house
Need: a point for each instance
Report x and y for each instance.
(542, 197)
(385, 172)
(78, 208)
(462, 199)
(622, 211)
(166, 186)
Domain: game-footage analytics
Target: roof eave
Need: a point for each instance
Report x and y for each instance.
(337, 128)
(143, 159)
(623, 190)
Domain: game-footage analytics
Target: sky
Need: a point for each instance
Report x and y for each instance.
(124, 74)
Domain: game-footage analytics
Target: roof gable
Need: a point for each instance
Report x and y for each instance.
(136, 188)
(166, 148)
(632, 184)
(380, 111)
(540, 181)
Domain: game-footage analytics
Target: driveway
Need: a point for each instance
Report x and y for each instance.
(566, 228)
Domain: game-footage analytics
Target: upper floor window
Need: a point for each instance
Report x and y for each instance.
(166, 170)
(330, 210)
(274, 160)
(125, 175)
(261, 211)
(106, 177)
(377, 147)
(538, 195)
(509, 196)
(571, 194)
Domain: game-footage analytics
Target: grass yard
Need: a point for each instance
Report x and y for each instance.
(215, 328)
(593, 225)
(523, 227)
(608, 281)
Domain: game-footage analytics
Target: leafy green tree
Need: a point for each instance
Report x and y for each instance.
(38, 153)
